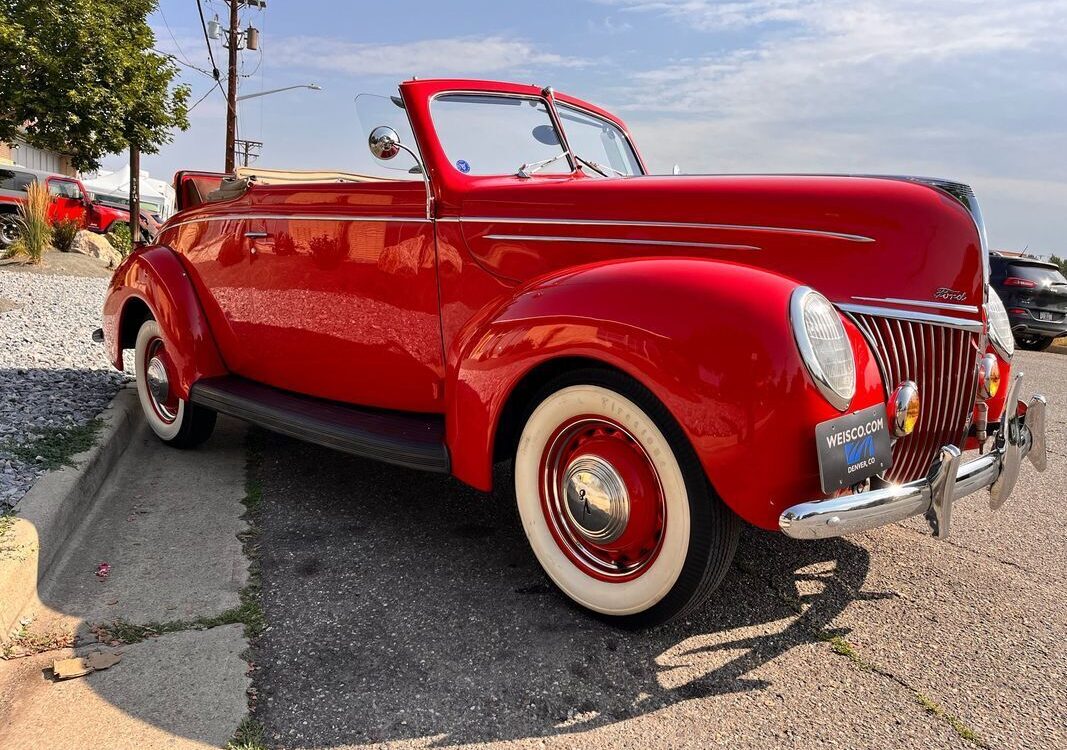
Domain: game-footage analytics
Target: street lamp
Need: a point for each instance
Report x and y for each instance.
(312, 86)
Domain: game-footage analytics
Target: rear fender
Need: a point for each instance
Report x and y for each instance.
(711, 339)
(153, 277)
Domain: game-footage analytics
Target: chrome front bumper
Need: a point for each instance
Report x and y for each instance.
(948, 480)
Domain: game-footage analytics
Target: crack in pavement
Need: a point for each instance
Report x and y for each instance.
(842, 647)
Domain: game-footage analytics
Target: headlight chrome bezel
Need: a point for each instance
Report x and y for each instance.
(998, 325)
(839, 396)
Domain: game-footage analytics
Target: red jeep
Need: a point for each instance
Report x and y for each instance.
(70, 202)
(662, 357)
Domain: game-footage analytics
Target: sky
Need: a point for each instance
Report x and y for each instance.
(973, 90)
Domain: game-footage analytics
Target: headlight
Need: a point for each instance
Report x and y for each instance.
(823, 345)
(999, 325)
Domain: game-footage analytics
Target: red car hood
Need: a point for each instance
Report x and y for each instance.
(858, 240)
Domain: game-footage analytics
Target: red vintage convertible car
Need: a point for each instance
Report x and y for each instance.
(662, 357)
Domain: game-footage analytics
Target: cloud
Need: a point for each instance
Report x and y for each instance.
(427, 58)
(835, 44)
(609, 26)
(972, 91)
(708, 15)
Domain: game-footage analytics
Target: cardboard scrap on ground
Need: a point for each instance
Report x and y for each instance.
(79, 666)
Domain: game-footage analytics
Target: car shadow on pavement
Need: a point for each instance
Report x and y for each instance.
(404, 605)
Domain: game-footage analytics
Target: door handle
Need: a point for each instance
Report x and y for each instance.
(256, 235)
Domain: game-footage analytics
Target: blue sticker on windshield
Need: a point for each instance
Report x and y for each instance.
(463, 166)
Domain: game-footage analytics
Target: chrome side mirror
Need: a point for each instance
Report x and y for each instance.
(384, 143)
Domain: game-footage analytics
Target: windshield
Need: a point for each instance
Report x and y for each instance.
(483, 134)
(597, 140)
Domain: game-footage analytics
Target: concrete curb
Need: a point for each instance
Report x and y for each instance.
(52, 509)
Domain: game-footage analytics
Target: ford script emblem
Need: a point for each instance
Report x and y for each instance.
(944, 292)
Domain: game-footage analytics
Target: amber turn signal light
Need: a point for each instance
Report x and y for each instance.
(988, 377)
(903, 409)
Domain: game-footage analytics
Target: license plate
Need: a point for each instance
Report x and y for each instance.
(1045, 316)
(853, 447)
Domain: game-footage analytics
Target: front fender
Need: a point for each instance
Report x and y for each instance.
(711, 339)
(154, 276)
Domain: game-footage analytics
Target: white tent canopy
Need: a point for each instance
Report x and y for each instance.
(116, 185)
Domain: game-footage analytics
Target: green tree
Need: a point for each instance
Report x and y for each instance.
(80, 77)
(1061, 262)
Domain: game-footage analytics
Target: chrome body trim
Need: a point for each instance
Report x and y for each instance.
(974, 326)
(615, 241)
(942, 361)
(920, 303)
(654, 224)
(948, 480)
(298, 217)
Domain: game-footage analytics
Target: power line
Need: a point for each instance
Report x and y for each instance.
(182, 62)
(185, 57)
(207, 40)
(205, 96)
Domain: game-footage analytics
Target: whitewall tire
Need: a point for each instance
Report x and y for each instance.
(174, 420)
(614, 502)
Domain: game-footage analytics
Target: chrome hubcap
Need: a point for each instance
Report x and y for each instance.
(596, 499)
(159, 386)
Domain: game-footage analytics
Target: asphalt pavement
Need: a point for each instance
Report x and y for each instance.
(407, 609)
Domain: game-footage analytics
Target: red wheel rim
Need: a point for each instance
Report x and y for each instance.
(602, 498)
(157, 372)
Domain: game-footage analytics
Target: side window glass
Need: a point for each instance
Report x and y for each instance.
(373, 111)
(11, 179)
(64, 189)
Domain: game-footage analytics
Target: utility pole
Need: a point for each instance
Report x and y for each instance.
(249, 150)
(231, 89)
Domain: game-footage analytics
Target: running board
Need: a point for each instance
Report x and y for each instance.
(412, 440)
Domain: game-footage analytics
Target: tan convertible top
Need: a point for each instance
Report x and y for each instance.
(235, 186)
(289, 177)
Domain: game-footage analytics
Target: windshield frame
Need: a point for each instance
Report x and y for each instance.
(452, 188)
(557, 124)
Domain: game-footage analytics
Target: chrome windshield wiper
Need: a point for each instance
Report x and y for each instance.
(530, 168)
(599, 168)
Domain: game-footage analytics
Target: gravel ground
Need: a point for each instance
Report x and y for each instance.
(405, 610)
(51, 373)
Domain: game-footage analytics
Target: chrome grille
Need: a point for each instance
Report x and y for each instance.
(942, 361)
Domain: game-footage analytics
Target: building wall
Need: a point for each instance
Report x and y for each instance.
(32, 157)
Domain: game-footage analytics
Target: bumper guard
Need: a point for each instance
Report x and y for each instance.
(948, 480)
